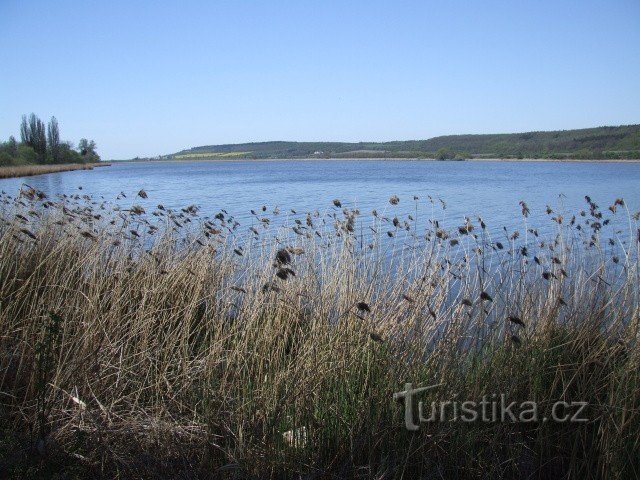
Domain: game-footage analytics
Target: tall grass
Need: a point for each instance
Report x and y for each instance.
(30, 170)
(172, 344)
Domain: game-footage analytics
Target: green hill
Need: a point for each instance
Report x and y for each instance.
(589, 143)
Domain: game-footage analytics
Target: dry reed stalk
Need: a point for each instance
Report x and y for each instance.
(30, 170)
(171, 341)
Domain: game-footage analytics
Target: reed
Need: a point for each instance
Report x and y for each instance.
(31, 170)
(168, 343)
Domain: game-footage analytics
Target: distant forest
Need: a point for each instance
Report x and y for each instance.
(621, 142)
(40, 144)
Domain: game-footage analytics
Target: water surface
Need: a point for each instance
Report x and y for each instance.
(489, 189)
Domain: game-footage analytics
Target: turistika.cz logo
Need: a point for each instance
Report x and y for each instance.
(491, 409)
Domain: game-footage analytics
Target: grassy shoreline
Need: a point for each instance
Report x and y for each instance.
(31, 170)
(148, 345)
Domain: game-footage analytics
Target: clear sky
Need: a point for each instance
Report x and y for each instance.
(144, 78)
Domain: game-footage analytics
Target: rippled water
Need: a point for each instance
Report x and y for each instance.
(490, 189)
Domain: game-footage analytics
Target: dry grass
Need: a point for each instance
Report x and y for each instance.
(30, 170)
(173, 346)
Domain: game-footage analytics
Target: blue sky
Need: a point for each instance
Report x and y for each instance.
(148, 78)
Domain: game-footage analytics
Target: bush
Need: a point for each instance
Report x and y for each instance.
(68, 155)
(5, 159)
(444, 154)
(26, 155)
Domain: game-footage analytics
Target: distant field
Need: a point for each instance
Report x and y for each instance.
(213, 155)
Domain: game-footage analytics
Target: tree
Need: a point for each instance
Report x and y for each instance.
(87, 149)
(38, 136)
(5, 159)
(41, 144)
(67, 154)
(444, 154)
(8, 152)
(27, 154)
(33, 134)
(12, 146)
(24, 130)
(53, 139)
(83, 146)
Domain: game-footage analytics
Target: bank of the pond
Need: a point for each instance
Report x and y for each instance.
(31, 170)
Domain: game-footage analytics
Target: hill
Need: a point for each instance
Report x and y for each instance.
(592, 143)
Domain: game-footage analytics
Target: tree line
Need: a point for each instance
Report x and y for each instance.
(589, 143)
(41, 144)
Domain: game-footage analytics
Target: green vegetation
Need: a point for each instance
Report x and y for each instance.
(41, 145)
(213, 155)
(126, 353)
(448, 154)
(621, 142)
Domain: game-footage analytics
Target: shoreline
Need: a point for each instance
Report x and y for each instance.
(379, 159)
(15, 171)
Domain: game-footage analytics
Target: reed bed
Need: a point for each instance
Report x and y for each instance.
(171, 344)
(31, 170)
